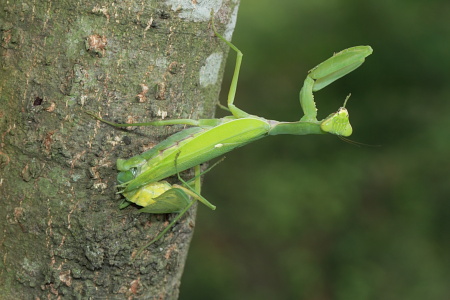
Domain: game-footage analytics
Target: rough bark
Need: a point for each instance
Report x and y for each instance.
(61, 233)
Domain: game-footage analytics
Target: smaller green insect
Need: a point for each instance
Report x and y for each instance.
(140, 176)
(162, 198)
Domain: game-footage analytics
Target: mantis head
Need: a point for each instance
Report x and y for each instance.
(338, 123)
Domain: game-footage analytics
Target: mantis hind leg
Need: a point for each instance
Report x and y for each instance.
(238, 113)
(153, 123)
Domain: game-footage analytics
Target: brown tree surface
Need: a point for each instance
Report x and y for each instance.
(61, 233)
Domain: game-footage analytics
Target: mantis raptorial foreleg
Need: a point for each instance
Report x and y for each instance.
(337, 66)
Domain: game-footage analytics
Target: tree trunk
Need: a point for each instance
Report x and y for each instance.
(62, 234)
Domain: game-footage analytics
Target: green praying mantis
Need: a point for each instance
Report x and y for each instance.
(140, 177)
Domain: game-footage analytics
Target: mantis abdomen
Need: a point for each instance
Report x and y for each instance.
(194, 149)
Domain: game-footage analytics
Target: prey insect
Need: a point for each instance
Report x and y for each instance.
(206, 139)
(161, 197)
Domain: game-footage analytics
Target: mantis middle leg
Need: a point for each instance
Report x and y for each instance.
(237, 113)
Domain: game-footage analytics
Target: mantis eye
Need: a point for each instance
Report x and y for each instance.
(337, 123)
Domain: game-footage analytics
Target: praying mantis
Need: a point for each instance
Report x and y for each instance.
(140, 177)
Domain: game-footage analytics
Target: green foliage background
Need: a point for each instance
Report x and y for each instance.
(316, 218)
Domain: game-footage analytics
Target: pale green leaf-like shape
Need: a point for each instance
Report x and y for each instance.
(173, 200)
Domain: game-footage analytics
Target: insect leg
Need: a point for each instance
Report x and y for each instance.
(152, 123)
(238, 113)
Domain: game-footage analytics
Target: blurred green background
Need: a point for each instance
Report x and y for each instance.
(313, 217)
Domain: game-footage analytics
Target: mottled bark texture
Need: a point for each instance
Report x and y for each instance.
(62, 235)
